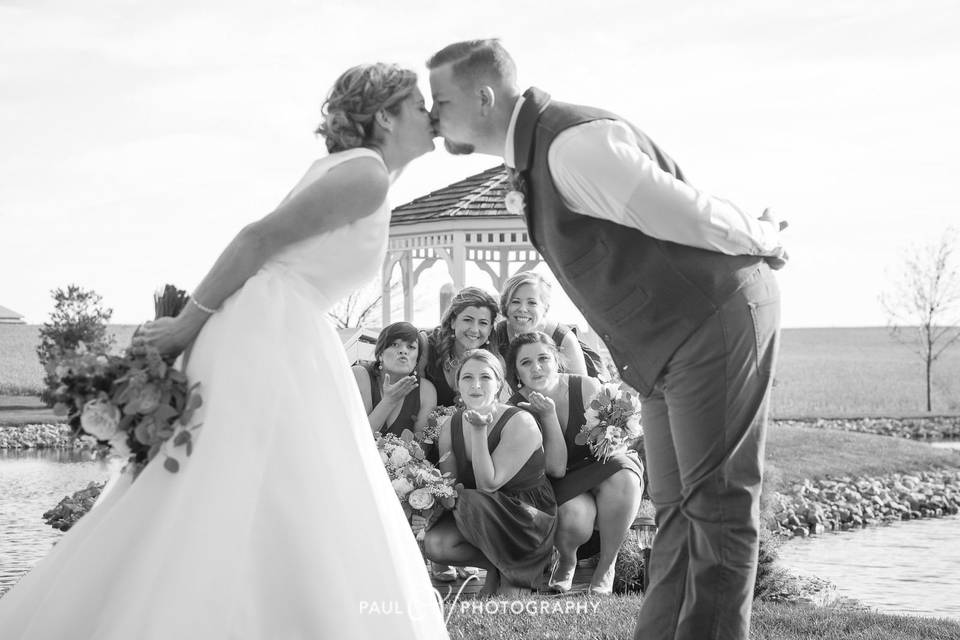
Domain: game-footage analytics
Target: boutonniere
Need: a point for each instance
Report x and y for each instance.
(514, 202)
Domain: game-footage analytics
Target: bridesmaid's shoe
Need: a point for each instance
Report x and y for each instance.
(595, 590)
(466, 572)
(602, 585)
(442, 573)
(561, 583)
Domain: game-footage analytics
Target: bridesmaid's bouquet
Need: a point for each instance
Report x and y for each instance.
(421, 488)
(612, 422)
(128, 405)
(431, 432)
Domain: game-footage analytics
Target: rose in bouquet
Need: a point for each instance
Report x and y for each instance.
(612, 422)
(421, 488)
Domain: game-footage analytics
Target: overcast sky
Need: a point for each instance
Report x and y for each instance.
(137, 138)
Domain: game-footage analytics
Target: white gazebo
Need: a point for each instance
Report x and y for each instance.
(466, 221)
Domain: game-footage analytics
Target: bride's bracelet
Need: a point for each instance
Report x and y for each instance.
(202, 307)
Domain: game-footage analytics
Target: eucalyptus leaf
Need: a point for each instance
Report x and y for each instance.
(171, 465)
(182, 438)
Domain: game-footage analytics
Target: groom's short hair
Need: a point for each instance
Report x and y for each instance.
(476, 59)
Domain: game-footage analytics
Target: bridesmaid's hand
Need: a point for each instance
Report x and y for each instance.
(539, 404)
(478, 419)
(395, 392)
(418, 524)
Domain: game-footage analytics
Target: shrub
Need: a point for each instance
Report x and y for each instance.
(78, 316)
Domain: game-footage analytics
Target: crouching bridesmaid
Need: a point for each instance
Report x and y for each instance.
(591, 494)
(506, 513)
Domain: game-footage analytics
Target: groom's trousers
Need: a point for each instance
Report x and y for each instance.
(704, 429)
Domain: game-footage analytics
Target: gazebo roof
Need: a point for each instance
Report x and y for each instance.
(9, 313)
(478, 196)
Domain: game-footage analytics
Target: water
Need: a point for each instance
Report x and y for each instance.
(32, 482)
(946, 444)
(910, 568)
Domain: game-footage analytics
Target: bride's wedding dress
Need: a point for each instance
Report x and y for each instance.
(282, 524)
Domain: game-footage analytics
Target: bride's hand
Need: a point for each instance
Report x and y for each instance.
(170, 336)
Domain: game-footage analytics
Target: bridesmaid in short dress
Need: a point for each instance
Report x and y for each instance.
(506, 514)
(590, 494)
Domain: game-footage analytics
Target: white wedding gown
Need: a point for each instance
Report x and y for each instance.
(282, 524)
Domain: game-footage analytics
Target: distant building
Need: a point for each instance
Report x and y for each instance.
(9, 316)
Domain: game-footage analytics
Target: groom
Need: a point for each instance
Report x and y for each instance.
(680, 287)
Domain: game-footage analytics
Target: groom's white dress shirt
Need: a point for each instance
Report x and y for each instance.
(601, 172)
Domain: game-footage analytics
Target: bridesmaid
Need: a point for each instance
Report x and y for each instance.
(393, 396)
(506, 513)
(524, 303)
(466, 324)
(590, 494)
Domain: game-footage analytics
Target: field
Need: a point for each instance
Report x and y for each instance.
(858, 372)
(20, 371)
(821, 372)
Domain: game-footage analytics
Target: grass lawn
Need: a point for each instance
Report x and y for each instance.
(795, 453)
(613, 617)
(15, 410)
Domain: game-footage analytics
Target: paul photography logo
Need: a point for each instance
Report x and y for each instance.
(454, 603)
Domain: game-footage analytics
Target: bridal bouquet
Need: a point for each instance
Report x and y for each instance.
(421, 487)
(130, 404)
(613, 422)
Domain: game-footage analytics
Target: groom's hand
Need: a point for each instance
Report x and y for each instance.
(777, 260)
(769, 216)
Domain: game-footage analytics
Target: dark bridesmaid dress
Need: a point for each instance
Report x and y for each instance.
(407, 418)
(584, 471)
(513, 526)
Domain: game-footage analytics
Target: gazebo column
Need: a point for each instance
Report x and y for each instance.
(458, 263)
(409, 282)
(388, 262)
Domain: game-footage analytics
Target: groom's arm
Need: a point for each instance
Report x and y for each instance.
(601, 172)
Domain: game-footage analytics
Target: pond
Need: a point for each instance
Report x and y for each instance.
(33, 482)
(910, 568)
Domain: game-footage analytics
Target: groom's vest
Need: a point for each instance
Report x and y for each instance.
(642, 295)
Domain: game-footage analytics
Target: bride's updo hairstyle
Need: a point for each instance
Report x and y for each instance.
(356, 97)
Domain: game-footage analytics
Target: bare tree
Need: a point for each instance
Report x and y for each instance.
(357, 309)
(923, 302)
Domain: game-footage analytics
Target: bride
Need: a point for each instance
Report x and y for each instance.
(282, 524)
